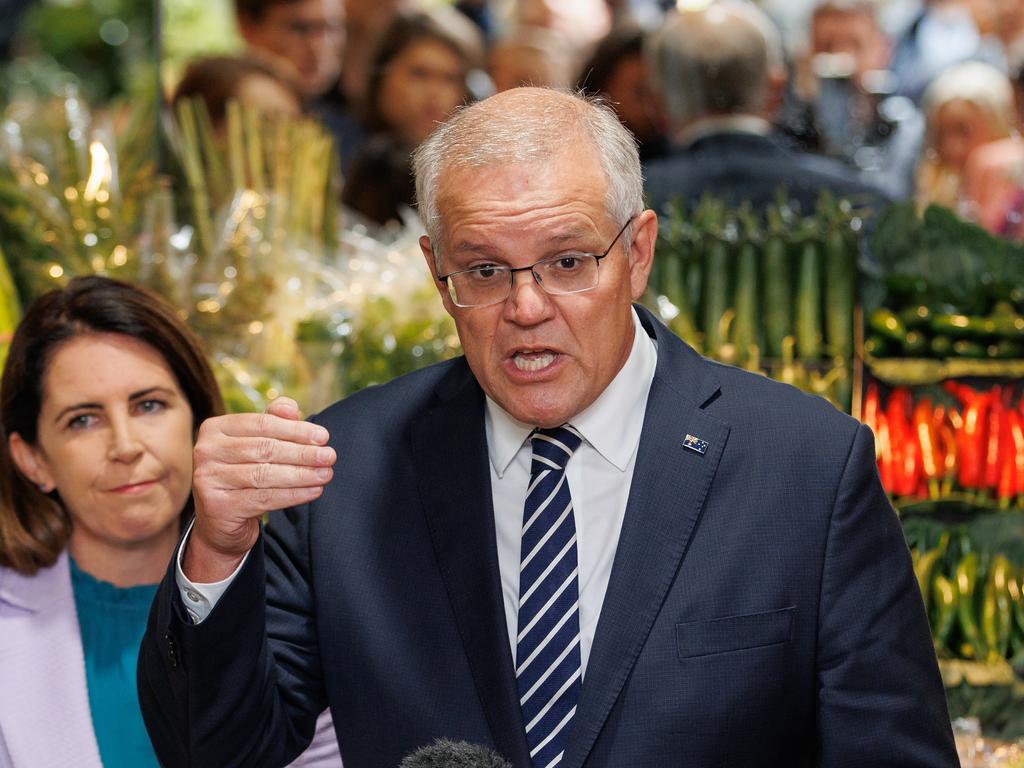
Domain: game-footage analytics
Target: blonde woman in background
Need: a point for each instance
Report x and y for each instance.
(967, 106)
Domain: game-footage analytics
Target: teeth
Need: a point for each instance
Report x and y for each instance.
(535, 361)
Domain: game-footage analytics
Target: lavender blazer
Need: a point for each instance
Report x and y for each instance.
(44, 704)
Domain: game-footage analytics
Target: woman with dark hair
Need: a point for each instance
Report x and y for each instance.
(619, 71)
(418, 78)
(102, 394)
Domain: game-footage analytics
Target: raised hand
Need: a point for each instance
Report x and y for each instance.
(245, 465)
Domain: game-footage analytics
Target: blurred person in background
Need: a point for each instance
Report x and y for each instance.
(944, 33)
(721, 74)
(365, 23)
(104, 390)
(966, 107)
(418, 78)
(618, 71)
(216, 80)
(529, 56)
(840, 103)
(305, 41)
(993, 177)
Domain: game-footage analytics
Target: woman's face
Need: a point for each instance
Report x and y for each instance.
(960, 128)
(115, 441)
(421, 87)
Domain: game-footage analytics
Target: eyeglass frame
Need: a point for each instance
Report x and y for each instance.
(512, 273)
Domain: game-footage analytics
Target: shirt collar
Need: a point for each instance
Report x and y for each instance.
(748, 124)
(611, 424)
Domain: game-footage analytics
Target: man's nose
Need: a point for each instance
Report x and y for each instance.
(527, 301)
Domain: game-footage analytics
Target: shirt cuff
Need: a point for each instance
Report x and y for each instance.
(200, 599)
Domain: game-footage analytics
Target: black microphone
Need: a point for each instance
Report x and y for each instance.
(444, 753)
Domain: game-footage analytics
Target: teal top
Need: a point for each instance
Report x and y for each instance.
(112, 620)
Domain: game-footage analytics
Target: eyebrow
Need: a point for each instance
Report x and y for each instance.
(486, 249)
(132, 396)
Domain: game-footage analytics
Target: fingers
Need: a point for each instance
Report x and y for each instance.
(264, 450)
(266, 426)
(262, 477)
(283, 407)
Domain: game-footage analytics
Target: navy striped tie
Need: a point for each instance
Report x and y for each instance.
(548, 667)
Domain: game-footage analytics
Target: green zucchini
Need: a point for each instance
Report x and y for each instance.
(808, 303)
(839, 293)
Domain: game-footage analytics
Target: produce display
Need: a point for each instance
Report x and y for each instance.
(765, 290)
(957, 440)
(950, 292)
(974, 602)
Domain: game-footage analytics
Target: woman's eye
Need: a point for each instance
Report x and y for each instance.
(81, 421)
(151, 406)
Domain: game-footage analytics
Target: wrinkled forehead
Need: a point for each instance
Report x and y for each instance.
(570, 175)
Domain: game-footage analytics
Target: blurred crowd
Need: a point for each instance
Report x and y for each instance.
(889, 99)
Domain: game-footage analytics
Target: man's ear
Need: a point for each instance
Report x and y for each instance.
(30, 462)
(428, 254)
(641, 251)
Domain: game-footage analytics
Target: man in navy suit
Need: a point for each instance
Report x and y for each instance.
(581, 544)
(721, 74)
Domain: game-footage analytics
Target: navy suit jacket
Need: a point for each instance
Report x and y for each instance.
(761, 611)
(741, 167)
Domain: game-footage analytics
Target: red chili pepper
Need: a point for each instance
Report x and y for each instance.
(927, 437)
(961, 392)
(870, 410)
(993, 439)
(883, 447)
(903, 443)
(971, 443)
(1008, 479)
(1017, 438)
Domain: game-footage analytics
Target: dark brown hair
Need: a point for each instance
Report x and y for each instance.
(215, 80)
(35, 527)
(441, 25)
(256, 9)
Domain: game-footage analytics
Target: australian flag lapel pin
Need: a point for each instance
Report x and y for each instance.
(695, 444)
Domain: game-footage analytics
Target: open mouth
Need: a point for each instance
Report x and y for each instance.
(533, 361)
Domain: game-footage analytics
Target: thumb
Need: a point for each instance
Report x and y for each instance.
(284, 407)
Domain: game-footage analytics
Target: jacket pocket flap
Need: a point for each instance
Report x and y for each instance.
(734, 633)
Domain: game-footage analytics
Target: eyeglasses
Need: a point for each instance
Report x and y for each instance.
(489, 284)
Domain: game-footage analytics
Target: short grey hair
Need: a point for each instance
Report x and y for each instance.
(715, 61)
(528, 125)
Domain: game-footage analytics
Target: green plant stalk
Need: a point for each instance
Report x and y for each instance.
(808, 303)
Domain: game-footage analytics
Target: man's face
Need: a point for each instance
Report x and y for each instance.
(304, 38)
(542, 358)
(853, 33)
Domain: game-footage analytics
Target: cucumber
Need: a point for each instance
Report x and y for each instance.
(885, 322)
(716, 281)
(965, 348)
(962, 326)
(745, 324)
(778, 319)
(808, 303)
(877, 346)
(941, 346)
(915, 344)
(916, 317)
(839, 294)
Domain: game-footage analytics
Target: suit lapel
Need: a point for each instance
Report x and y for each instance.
(670, 484)
(460, 517)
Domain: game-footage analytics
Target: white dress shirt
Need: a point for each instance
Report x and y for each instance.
(599, 474)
